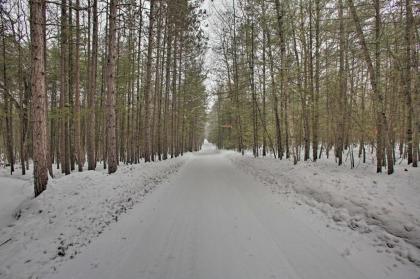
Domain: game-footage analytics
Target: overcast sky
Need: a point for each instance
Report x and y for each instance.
(212, 8)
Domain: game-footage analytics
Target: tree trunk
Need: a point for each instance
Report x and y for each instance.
(342, 83)
(77, 146)
(39, 97)
(70, 100)
(64, 92)
(407, 83)
(236, 81)
(8, 108)
(111, 89)
(275, 99)
(167, 90)
(147, 86)
(315, 112)
(90, 124)
(382, 122)
(264, 73)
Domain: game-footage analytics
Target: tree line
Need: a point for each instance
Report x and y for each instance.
(302, 78)
(87, 82)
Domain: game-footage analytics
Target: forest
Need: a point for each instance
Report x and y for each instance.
(87, 82)
(203, 139)
(94, 82)
(298, 79)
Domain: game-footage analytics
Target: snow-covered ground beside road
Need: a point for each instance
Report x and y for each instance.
(37, 234)
(216, 214)
(384, 207)
(215, 220)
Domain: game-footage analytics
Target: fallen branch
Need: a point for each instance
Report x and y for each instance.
(4, 242)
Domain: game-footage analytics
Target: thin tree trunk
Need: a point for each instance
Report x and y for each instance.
(156, 111)
(64, 92)
(174, 87)
(147, 86)
(264, 73)
(91, 99)
(167, 89)
(70, 100)
(111, 89)
(407, 83)
(77, 146)
(236, 81)
(342, 89)
(275, 99)
(8, 108)
(315, 111)
(382, 123)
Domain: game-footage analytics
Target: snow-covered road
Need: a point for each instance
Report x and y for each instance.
(211, 221)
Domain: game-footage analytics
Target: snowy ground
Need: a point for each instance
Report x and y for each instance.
(218, 215)
(38, 234)
(13, 191)
(387, 207)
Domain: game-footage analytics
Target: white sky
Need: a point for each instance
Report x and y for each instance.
(211, 8)
(209, 27)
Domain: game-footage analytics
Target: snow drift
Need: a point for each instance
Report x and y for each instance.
(74, 210)
(360, 199)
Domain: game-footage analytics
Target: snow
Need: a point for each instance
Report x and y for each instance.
(385, 206)
(211, 221)
(71, 213)
(214, 214)
(14, 189)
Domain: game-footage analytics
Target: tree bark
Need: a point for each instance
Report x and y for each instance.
(147, 86)
(342, 83)
(64, 92)
(91, 98)
(315, 111)
(167, 89)
(39, 97)
(407, 82)
(111, 89)
(77, 146)
(8, 108)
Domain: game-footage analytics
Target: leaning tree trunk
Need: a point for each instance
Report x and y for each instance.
(381, 119)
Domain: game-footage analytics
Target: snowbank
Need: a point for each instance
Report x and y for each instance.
(387, 206)
(13, 191)
(72, 211)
